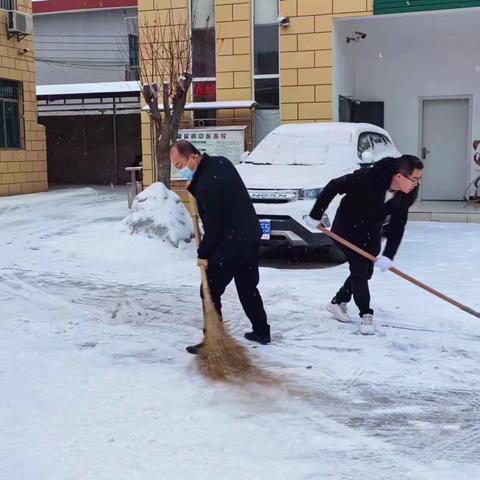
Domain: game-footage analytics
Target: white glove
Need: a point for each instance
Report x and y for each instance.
(311, 222)
(383, 263)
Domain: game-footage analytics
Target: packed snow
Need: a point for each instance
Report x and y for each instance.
(95, 382)
(159, 212)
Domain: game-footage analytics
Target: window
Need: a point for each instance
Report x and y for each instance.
(132, 57)
(266, 37)
(131, 51)
(203, 59)
(266, 92)
(266, 70)
(266, 67)
(10, 132)
(203, 38)
(373, 142)
(203, 52)
(8, 4)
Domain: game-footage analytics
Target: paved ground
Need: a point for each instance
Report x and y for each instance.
(95, 382)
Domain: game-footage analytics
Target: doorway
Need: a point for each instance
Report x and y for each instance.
(445, 125)
(356, 111)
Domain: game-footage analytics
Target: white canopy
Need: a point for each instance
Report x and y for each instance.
(88, 88)
(214, 105)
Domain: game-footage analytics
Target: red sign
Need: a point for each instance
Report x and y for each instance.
(57, 6)
(204, 91)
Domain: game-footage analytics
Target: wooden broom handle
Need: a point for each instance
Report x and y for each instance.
(196, 229)
(416, 282)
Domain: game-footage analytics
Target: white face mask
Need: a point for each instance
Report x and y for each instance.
(186, 172)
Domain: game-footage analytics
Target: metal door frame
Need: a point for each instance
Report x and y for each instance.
(469, 99)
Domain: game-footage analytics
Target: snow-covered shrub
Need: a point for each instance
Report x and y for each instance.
(159, 213)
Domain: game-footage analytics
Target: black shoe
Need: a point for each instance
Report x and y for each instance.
(253, 337)
(193, 349)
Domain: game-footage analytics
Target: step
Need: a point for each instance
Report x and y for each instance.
(452, 212)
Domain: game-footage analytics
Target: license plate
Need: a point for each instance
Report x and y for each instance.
(266, 229)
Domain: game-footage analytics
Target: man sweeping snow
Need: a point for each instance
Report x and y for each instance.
(231, 243)
(388, 188)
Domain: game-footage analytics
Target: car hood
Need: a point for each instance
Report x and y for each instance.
(288, 176)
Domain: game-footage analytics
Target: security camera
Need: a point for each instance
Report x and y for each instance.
(356, 37)
(23, 51)
(284, 22)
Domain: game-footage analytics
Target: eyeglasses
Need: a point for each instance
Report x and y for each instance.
(415, 180)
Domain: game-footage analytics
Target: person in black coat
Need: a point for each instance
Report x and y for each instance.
(371, 194)
(230, 245)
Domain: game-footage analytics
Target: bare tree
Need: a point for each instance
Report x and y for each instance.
(165, 73)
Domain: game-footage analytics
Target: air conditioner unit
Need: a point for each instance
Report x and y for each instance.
(19, 24)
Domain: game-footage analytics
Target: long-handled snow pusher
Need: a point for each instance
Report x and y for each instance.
(221, 357)
(416, 282)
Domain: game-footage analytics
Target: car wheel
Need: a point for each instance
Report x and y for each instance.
(336, 255)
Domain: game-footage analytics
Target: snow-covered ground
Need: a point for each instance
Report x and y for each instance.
(95, 383)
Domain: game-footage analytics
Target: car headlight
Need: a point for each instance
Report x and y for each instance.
(309, 193)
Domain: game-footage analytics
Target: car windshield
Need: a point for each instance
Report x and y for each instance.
(286, 149)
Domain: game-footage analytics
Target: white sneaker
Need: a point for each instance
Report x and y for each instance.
(366, 325)
(339, 311)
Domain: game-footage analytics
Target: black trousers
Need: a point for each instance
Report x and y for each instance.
(240, 265)
(361, 271)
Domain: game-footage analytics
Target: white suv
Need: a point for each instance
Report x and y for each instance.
(286, 172)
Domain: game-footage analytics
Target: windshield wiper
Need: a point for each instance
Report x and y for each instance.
(258, 163)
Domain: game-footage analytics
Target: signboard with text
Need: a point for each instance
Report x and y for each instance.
(227, 142)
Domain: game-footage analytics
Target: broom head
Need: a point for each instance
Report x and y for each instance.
(221, 356)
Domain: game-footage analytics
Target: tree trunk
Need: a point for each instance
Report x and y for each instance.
(162, 152)
(162, 129)
(166, 128)
(163, 141)
(179, 101)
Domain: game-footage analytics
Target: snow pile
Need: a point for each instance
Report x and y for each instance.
(159, 213)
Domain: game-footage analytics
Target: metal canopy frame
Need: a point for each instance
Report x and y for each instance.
(79, 104)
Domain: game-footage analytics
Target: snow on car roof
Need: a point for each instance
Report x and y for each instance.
(337, 131)
(308, 143)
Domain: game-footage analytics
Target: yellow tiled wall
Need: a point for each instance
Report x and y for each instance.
(22, 170)
(306, 56)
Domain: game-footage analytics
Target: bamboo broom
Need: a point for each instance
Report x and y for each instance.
(221, 357)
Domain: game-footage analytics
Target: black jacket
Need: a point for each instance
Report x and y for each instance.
(363, 210)
(227, 213)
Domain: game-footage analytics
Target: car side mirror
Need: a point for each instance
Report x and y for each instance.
(367, 157)
(244, 156)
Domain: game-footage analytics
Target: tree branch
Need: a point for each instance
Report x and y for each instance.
(165, 56)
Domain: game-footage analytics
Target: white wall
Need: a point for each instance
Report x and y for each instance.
(406, 57)
(82, 47)
(344, 70)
